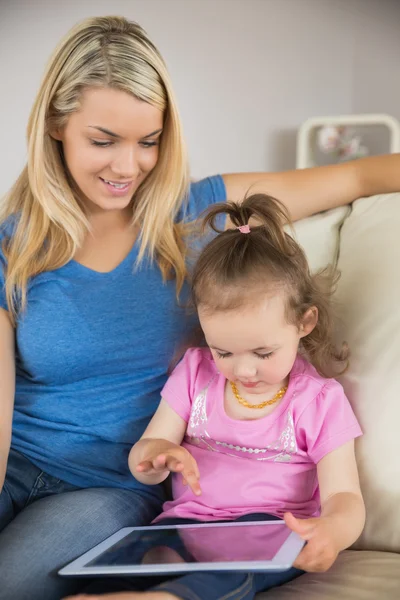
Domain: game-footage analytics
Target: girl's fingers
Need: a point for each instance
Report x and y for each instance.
(174, 465)
(144, 467)
(303, 527)
(155, 464)
(187, 466)
(191, 479)
(159, 462)
(317, 555)
(304, 559)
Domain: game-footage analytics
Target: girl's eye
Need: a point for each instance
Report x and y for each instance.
(262, 356)
(100, 144)
(220, 355)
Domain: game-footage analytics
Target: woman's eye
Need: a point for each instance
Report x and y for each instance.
(100, 144)
(148, 144)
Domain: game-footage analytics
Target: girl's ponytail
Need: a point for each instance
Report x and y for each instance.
(271, 216)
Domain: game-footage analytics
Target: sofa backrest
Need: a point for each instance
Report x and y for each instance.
(364, 240)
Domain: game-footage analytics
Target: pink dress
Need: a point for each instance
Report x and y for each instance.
(265, 465)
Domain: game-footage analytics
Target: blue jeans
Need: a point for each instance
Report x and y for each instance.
(203, 586)
(45, 523)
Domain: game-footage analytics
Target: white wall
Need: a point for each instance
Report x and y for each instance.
(247, 72)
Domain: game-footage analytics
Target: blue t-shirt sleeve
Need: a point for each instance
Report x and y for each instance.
(203, 194)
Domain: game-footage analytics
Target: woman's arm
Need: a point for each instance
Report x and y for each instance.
(308, 191)
(7, 389)
(343, 514)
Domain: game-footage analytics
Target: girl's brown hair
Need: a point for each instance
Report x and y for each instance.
(234, 268)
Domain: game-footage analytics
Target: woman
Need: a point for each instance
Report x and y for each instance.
(93, 238)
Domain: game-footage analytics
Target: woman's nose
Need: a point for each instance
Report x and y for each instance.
(126, 164)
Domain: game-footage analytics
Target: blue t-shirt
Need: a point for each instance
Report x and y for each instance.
(92, 354)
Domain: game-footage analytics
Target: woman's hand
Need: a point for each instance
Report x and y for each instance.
(321, 549)
(175, 459)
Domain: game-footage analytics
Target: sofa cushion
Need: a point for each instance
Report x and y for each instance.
(365, 239)
(369, 294)
(319, 235)
(356, 575)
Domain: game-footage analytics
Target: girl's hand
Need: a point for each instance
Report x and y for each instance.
(176, 460)
(321, 550)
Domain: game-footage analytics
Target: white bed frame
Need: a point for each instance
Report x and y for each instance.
(307, 133)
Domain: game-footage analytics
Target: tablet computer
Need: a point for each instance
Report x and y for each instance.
(173, 549)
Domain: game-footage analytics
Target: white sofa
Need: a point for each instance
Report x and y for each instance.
(364, 241)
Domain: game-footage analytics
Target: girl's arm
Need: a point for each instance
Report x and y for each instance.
(7, 389)
(343, 514)
(341, 498)
(159, 451)
(308, 191)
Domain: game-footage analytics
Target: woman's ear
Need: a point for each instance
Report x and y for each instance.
(308, 321)
(57, 134)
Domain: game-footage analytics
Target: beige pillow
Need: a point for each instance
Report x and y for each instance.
(366, 240)
(369, 293)
(319, 236)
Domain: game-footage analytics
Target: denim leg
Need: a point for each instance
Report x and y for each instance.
(6, 508)
(21, 479)
(202, 586)
(228, 586)
(198, 586)
(55, 527)
(225, 586)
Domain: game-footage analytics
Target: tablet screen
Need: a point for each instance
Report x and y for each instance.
(259, 541)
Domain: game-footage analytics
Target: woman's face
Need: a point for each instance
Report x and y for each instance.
(110, 146)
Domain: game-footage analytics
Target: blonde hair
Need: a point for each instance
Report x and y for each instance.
(50, 220)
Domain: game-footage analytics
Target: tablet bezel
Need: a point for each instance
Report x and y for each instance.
(282, 560)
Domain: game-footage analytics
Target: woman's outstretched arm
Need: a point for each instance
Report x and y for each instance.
(308, 191)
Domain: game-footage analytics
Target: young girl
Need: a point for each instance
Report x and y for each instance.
(252, 427)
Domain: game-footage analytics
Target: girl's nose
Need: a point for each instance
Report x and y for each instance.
(245, 371)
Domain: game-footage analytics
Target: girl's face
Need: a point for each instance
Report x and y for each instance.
(254, 346)
(110, 146)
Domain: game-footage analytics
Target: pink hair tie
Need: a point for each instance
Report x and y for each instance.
(244, 228)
